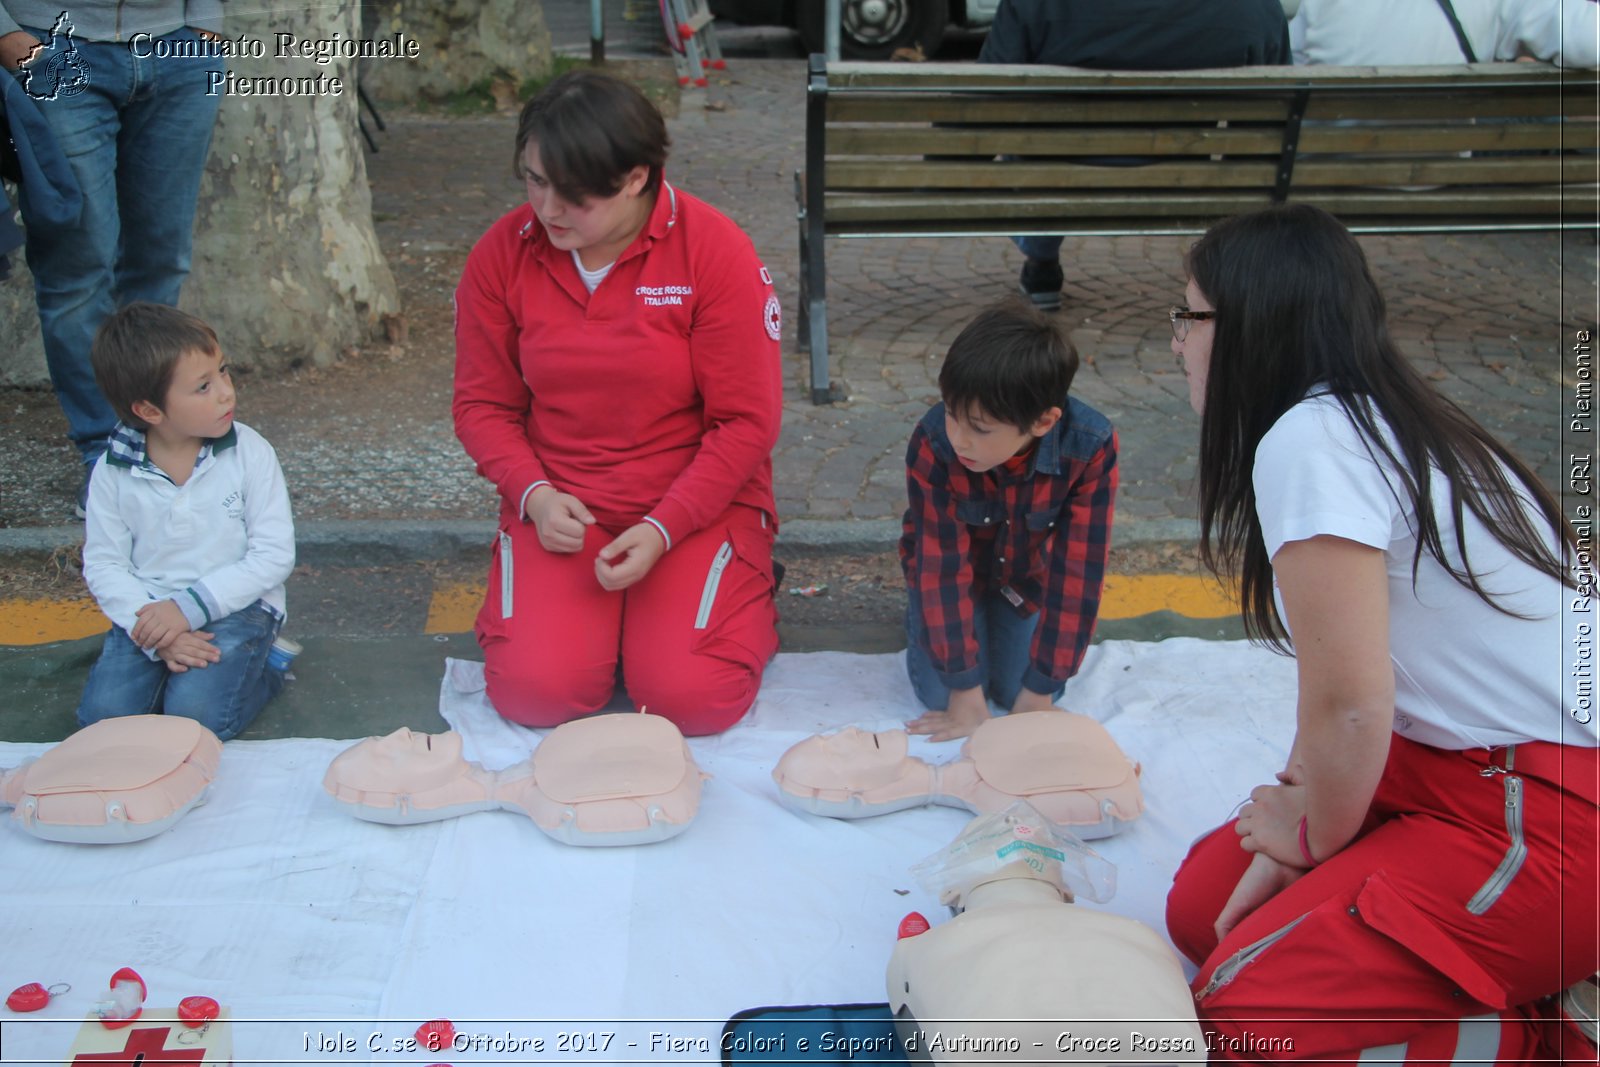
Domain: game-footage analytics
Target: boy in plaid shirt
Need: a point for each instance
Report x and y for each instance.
(1004, 545)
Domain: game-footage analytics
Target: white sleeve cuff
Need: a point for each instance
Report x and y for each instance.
(662, 530)
(522, 505)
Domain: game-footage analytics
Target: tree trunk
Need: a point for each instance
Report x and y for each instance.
(287, 268)
(463, 44)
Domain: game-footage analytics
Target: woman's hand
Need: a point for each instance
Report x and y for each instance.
(1270, 822)
(630, 557)
(559, 517)
(16, 47)
(1264, 879)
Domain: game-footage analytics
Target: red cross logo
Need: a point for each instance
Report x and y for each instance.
(146, 1047)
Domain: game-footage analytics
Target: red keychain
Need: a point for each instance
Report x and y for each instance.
(33, 996)
(195, 1012)
(436, 1035)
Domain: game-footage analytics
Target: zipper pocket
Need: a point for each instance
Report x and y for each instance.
(1228, 969)
(506, 585)
(708, 595)
(1516, 852)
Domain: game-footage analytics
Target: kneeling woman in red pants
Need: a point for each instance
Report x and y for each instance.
(1419, 883)
(618, 380)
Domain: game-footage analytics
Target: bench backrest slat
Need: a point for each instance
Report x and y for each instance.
(1501, 139)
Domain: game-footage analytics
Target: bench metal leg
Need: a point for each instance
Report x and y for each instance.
(820, 391)
(803, 323)
(814, 270)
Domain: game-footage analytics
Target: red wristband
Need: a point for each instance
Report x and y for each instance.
(1305, 846)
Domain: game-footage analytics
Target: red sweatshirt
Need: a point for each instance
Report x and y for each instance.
(658, 395)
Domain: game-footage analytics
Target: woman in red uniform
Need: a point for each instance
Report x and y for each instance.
(1419, 882)
(618, 379)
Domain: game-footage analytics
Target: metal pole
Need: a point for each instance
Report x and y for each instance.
(831, 22)
(597, 31)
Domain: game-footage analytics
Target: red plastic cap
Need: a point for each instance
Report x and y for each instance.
(682, 82)
(719, 64)
(195, 1012)
(685, 30)
(702, 82)
(913, 924)
(128, 974)
(30, 997)
(436, 1034)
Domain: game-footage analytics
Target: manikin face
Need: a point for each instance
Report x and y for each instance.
(199, 402)
(598, 228)
(1194, 351)
(983, 443)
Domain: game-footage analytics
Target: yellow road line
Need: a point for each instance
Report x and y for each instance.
(39, 622)
(1193, 596)
(452, 608)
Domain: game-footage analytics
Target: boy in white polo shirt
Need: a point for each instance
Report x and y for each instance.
(188, 538)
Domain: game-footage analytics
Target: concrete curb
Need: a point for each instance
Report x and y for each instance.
(398, 540)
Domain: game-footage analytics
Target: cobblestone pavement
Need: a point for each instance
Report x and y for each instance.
(1485, 316)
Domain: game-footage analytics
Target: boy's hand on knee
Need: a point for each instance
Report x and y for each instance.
(630, 557)
(968, 710)
(559, 517)
(192, 649)
(159, 624)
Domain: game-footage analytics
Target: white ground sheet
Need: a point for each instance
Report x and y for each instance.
(330, 939)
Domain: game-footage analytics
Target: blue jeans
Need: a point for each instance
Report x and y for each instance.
(1039, 246)
(223, 697)
(1005, 645)
(136, 136)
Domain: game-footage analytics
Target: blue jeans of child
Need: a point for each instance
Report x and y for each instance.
(1005, 645)
(223, 697)
(136, 133)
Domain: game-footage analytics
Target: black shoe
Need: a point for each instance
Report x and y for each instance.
(1041, 283)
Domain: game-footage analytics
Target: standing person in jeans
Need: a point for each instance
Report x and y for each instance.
(1127, 35)
(135, 125)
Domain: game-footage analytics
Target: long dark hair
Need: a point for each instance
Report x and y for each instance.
(1297, 310)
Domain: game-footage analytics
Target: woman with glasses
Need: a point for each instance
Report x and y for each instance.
(618, 380)
(1419, 881)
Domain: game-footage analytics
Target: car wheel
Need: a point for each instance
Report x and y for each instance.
(875, 29)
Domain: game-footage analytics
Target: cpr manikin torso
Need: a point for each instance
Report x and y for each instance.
(1066, 765)
(117, 780)
(1022, 974)
(603, 780)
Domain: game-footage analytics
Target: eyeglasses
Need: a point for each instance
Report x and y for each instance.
(1182, 316)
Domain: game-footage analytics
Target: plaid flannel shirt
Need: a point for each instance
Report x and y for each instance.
(1038, 536)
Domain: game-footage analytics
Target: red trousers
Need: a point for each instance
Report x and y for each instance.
(693, 635)
(1439, 934)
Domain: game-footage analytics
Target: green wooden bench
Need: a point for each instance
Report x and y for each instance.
(914, 150)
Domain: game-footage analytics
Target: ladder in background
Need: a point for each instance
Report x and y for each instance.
(693, 40)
